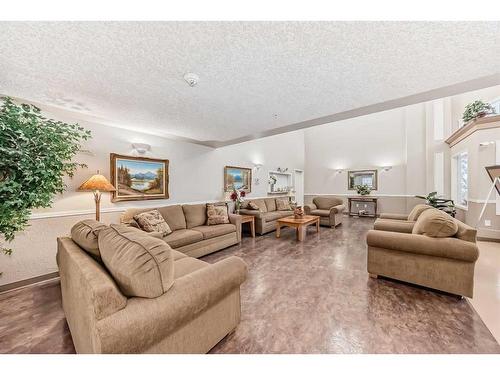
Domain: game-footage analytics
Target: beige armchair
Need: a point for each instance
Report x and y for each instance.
(330, 210)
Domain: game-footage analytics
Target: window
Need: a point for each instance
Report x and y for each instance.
(496, 105)
(460, 186)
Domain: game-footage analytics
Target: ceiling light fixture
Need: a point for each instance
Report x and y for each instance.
(191, 79)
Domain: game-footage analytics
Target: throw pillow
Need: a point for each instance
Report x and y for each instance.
(84, 233)
(217, 214)
(141, 265)
(152, 221)
(253, 206)
(283, 204)
(435, 223)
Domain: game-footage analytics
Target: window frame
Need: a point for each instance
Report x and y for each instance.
(455, 175)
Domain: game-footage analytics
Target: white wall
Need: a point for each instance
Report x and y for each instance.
(391, 138)
(196, 174)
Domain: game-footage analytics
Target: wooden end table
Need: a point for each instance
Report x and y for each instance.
(300, 225)
(249, 219)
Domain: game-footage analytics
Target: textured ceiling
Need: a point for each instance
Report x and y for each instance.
(254, 76)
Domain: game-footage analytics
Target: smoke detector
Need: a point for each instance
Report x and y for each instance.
(191, 79)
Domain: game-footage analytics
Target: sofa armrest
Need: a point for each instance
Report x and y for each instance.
(236, 220)
(449, 247)
(392, 225)
(144, 322)
(337, 209)
(256, 213)
(309, 207)
(393, 216)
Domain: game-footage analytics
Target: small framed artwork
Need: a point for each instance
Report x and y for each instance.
(240, 178)
(138, 178)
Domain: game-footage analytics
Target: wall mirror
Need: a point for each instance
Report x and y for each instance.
(365, 177)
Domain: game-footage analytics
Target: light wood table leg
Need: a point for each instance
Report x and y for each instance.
(278, 228)
(252, 228)
(300, 233)
(317, 226)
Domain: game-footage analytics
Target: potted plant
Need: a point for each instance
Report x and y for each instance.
(237, 196)
(363, 189)
(476, 110)
(445, 205)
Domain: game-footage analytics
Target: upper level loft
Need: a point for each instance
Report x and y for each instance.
(465, 131)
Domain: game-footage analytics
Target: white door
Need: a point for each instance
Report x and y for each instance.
(298, 185)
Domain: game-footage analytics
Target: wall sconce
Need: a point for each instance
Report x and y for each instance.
(387, 168)
(486, 144)
(339, 171)
(141, 148)
(257, 166)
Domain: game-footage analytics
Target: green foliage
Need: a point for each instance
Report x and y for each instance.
(446, 205)
(35, 154)
(363, 189)
(477, 109)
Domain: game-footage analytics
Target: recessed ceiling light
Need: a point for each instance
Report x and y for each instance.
(191, 79)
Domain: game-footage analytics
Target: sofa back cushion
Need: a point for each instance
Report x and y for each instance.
(435, 223)
(141, 265)
(325, 203)
(270, 204)
(85, 233)
(196, 214)
(260, 203)
(127, 217)
(283, 204)
(174, 216)
(417, 211)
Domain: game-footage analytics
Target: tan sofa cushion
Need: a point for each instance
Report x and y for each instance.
(174, 216)
(271, 216)
(183, 237)
(270, 204)
(217, 214)
(260, 203)
(188, 265)
(325, 203)
(142, 266)
(196, 214)
(152, 221)
(211, 231)
(177, 255)
(417, 211)
(435, 223)
(85, 232)
(253, 206)
(283, 204)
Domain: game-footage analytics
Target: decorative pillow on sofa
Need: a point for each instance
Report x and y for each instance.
(253, 206)
(435, 223)
(141, 265)
(417, 211)
(152, 221)
(84, 233)
(283, 204)
(217, 214)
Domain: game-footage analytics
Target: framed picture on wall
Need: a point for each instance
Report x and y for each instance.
(239, 177)
(138, 178)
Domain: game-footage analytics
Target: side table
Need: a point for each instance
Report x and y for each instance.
(251, 220)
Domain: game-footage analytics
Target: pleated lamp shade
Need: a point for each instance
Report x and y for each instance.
(97, 182)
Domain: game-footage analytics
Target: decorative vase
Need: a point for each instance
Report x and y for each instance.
(298, 213)
(237, 207)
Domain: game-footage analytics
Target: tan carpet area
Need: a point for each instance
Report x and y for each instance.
(310, 297)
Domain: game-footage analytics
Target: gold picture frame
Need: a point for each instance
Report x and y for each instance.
(239, 177)
(138, 178)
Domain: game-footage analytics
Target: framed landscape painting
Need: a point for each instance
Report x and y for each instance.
(240, 178)
(138, 178)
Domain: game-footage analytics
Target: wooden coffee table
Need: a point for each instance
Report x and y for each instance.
(300, 225)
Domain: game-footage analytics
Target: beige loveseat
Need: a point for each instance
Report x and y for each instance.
(440, 252)
(330, 210)
(266, 215)
(191, 235)
(201, 303)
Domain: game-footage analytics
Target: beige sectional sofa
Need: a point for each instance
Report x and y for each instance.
(191, 235)
(142, 296)
(438, 252)
(330, 209)
(266, 215)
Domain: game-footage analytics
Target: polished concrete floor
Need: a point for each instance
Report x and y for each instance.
(310, 297)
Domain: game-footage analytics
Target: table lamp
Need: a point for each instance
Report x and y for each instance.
(97, 184)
